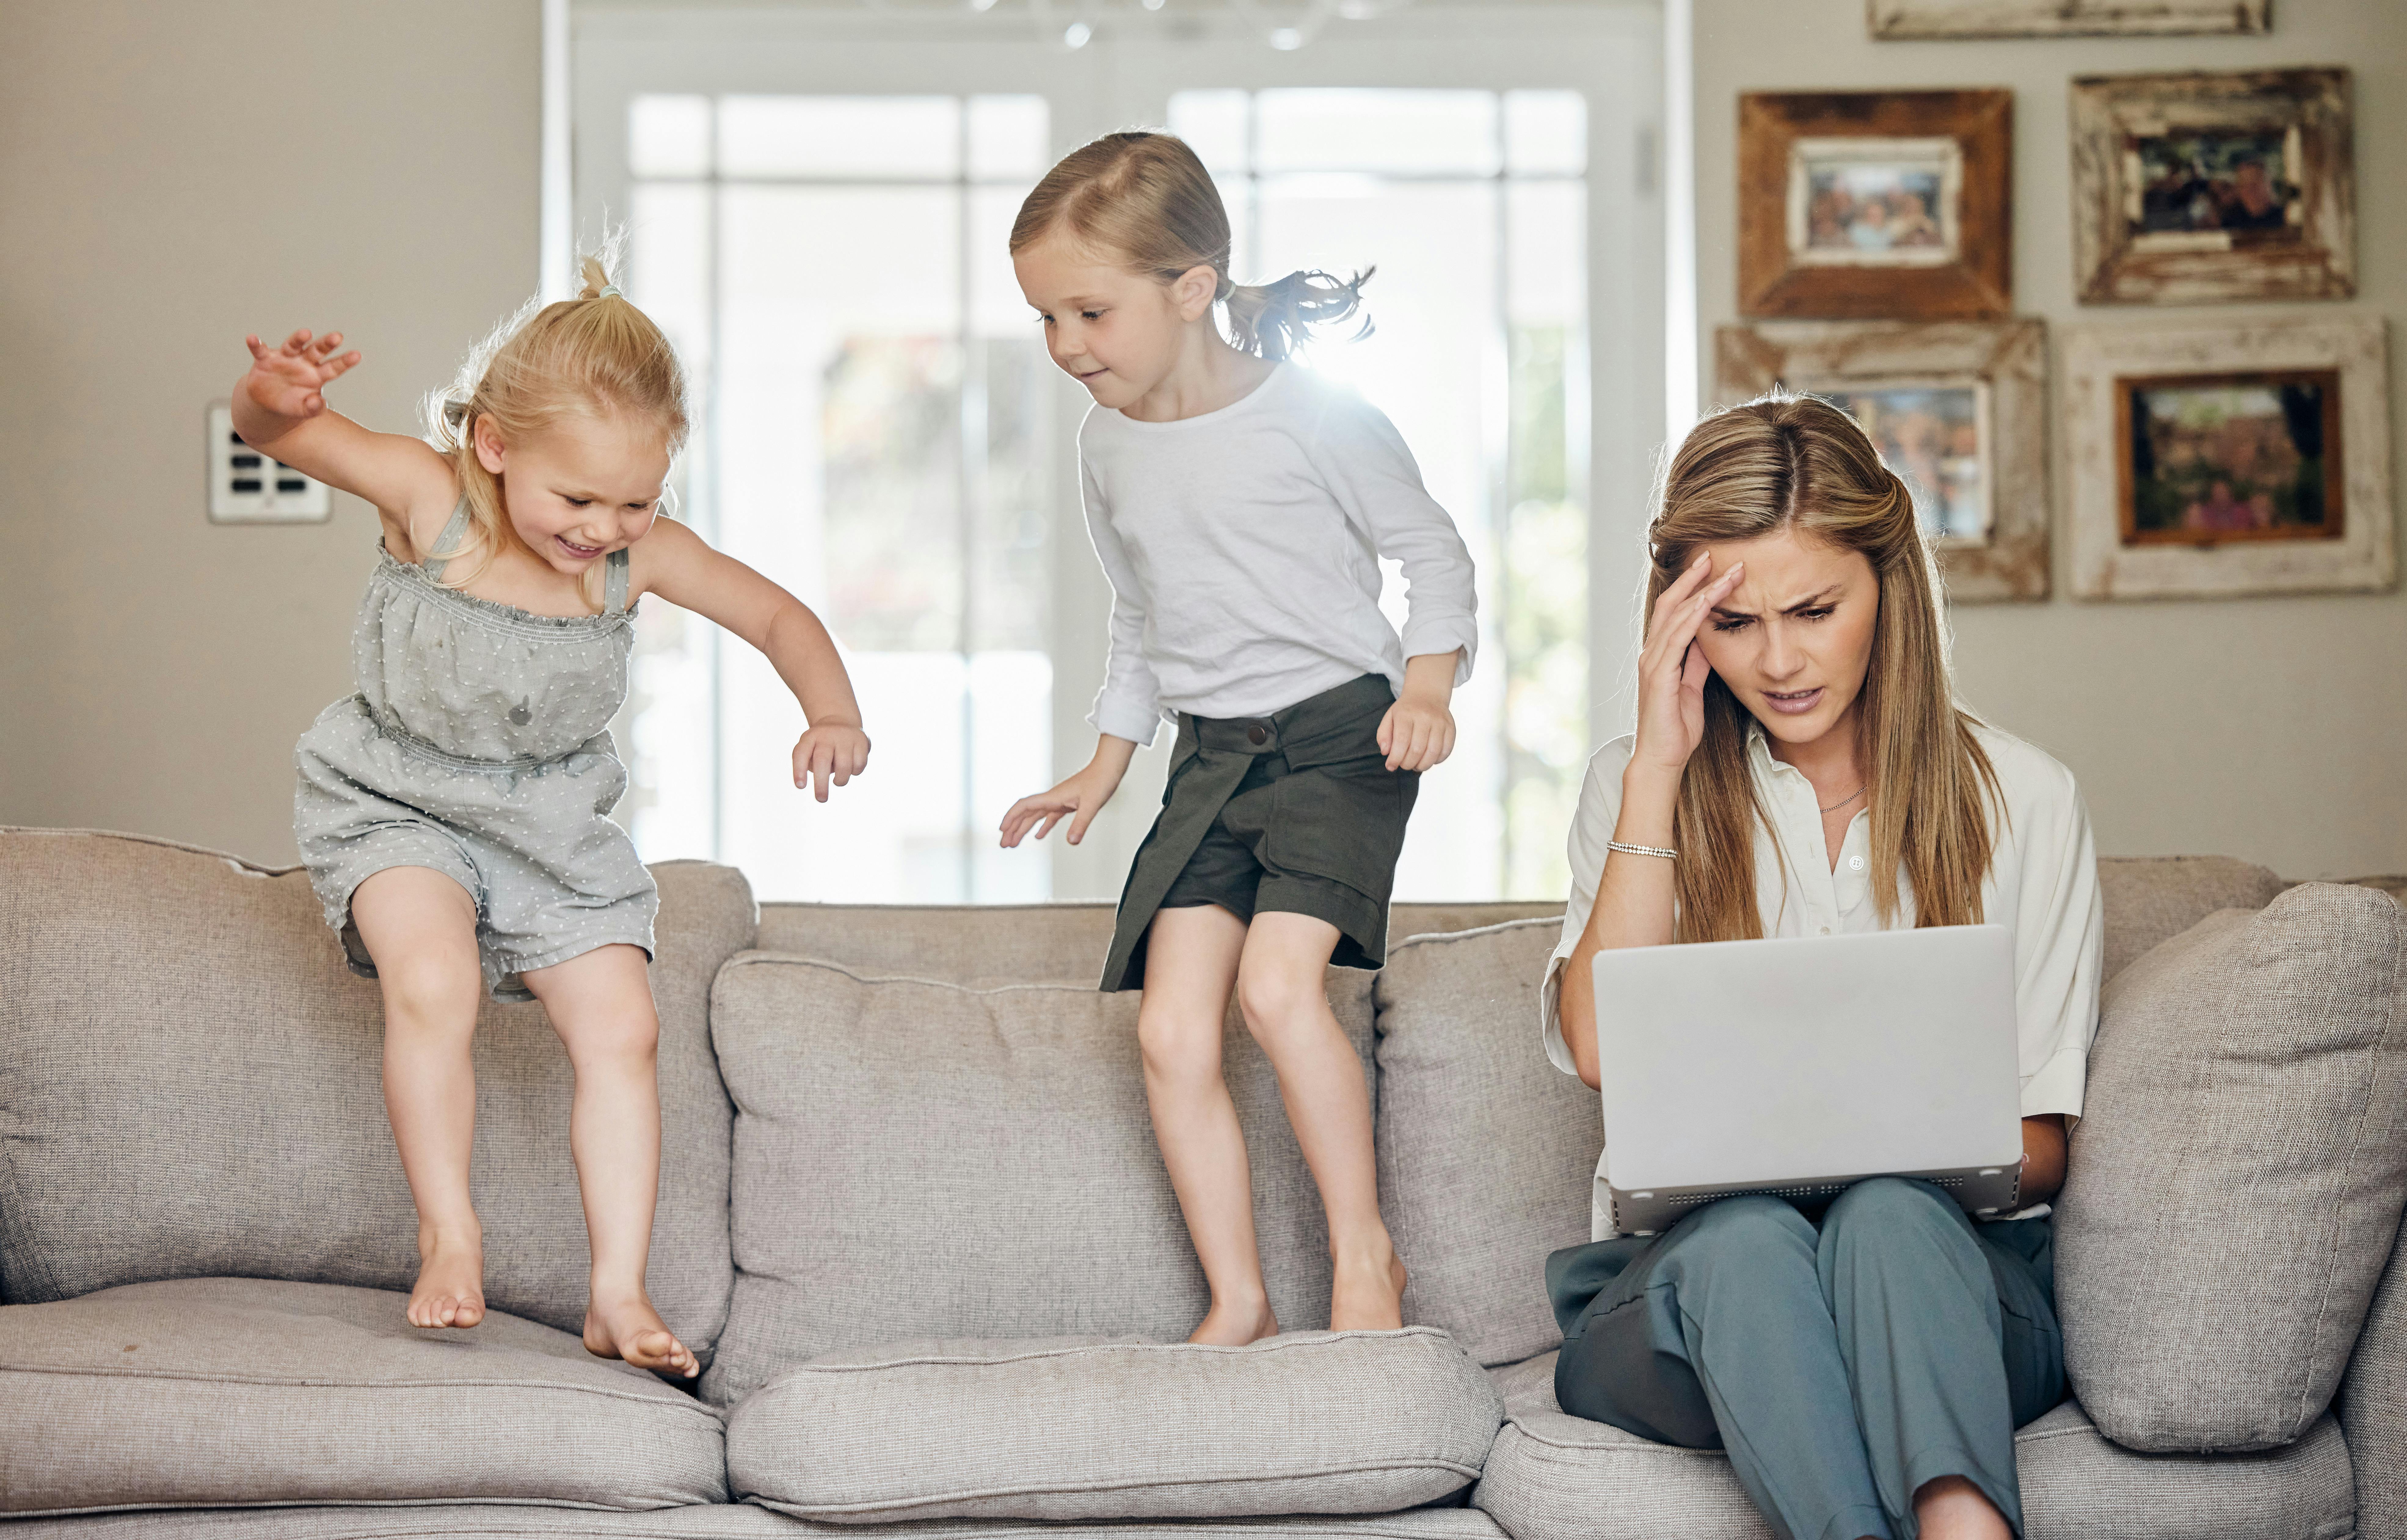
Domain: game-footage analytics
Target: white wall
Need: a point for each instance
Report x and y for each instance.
(2272, 729)
(172, 176)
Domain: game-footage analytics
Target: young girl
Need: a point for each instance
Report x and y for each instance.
(452, 812)
(1801, 768)
(1240, 507)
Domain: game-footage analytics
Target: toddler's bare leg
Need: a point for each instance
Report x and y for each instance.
(419, 926)
(600, 1005)
(1190, 963)
(1282, 989)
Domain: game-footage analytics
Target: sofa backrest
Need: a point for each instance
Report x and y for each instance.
(191, 1086)
(985, 944)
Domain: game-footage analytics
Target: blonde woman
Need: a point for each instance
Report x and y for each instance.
(454, 811)
(1240, 507)
(1800, 768)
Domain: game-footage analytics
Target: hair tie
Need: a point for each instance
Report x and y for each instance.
(608, 289)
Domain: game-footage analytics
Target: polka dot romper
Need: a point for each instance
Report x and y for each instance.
(478, 746)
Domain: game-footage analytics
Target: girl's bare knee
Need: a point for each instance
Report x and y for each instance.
(1274, 1001)
(1179, 1048)
(430, 990)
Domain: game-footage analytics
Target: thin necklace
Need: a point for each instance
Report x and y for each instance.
(1843, 801)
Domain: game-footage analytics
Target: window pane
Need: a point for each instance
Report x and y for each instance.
(1213, 123)
(840, 135)
(1419, 132)
(669, 137)
(1545, 131)
(1009, 137)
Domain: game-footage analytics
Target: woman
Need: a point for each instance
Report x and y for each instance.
(1800, 768)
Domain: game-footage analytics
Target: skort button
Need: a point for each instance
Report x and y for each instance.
(1256, 733)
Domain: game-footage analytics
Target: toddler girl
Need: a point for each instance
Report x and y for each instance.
(453, 812)
(1240, 507)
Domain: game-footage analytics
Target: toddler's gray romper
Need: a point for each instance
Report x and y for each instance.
(478, 746)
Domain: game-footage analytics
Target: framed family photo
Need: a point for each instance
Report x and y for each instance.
(2214, 461)
(1928, 19)
(2191, 188)
(1959, 412)
(1875, 203)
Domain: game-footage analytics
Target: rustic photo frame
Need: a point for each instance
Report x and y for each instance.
(2201, 187)
(1952, 19)
(1997, 371)
(1903, 259)
(2323, 385)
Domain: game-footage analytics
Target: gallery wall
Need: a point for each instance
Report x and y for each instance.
(175, 175)
(2272, 728)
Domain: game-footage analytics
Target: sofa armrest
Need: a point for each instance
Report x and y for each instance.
(2373, 1406)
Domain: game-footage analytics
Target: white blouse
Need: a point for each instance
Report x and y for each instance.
(2042, 886)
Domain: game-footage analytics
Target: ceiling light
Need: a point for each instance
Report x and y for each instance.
(1077, 35)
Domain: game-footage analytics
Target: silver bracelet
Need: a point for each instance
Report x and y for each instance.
(1642, 849)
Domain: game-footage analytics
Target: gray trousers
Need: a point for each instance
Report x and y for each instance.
(1842, 1365)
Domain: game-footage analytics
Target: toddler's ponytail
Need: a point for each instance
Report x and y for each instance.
(1273, 320)
(1144, 199)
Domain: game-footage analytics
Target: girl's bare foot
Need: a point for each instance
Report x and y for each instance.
(450, 1289)
(1229, 1324)
(1367, 1294)
(627, 1327)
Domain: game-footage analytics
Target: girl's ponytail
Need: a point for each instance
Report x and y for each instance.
(1146, 199)
(1273, 320)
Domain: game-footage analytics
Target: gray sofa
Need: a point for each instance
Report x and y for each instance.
(912, 1219)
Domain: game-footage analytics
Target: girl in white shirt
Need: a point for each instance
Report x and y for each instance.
(1240, 507)
(1800, 768)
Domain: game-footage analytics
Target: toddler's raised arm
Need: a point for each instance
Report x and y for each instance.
(280, 408)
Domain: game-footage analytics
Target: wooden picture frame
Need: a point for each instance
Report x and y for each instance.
(2195, 188)
(1989, 377)
(1953, 18)
(2220, 461)
(1876, 204)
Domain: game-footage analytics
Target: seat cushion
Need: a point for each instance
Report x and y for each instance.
(1311, 1422)
(917, 1158)
(1486, 1151)
(1554, 1476)
(720, 1521)
(2235, 1187)
(216, 1393)
(191, 1086)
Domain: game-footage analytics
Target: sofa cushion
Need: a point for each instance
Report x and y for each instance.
(1554, 1476)
(216, 1392)
(1309, 1422)
(2236, 1183)
(1486, 1151)
(916, 1157)
(2149, 899)
(714, 1522)
(991, 943)
(191, 1086)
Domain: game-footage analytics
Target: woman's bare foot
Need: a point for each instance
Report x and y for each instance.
(450, 1289)
(1367, 1294)
(627, 1327)
(1234, 1324)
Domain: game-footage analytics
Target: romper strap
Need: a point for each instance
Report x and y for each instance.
(614, 581)
(450, 537)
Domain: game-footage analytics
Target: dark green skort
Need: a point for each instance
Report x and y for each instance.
(1294, 812)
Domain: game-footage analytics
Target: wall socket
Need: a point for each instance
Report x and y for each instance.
(246, 487)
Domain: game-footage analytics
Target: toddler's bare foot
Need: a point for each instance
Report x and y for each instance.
(1367, 1294)
(627, 1327)
(450, 1289)
(1235, 1323)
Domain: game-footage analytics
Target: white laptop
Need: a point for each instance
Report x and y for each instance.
(1800, 1067)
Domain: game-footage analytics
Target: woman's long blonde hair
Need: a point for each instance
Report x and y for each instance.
(1794, 462)
(597, 354)
(1146, 200)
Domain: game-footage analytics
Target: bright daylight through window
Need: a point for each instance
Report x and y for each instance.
(879, 430)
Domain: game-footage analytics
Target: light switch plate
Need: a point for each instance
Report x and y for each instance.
(246, 487)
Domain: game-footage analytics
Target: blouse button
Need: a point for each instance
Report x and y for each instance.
(1855, 864)
(1825, 930)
